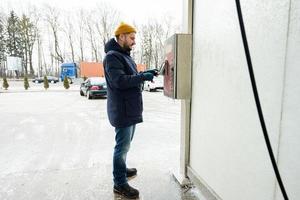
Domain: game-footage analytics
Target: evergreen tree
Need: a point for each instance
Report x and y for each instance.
(5, 83)
(2, 47)
(14, 45)
(66, 83)
(46, 83)
(14, 41)
(26, 83)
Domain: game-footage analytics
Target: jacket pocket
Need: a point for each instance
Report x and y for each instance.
(134, 106)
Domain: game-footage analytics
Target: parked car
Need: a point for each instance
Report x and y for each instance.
(157, 83)
(51, 79)
(93, 86)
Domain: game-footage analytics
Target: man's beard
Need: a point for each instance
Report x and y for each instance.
(126, 47)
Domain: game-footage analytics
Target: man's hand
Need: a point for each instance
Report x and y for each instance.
(152, 71)
(147, 76)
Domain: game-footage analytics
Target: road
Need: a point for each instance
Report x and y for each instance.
(55, 144)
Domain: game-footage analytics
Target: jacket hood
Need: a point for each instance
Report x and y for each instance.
(113, 45)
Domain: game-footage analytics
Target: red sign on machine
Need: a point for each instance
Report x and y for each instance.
(169, 71)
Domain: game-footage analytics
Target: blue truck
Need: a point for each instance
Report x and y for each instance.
(68, 70)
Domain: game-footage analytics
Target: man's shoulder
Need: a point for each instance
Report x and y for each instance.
(114, 58)
(112, 55)
(113, 52)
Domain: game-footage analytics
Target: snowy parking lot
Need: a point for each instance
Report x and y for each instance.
(56, 144)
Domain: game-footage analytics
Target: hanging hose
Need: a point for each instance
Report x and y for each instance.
(258, 106)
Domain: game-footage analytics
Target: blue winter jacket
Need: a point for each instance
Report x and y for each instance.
(124, 94)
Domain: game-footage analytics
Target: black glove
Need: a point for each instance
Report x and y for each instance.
(147, 76)
(152, 71)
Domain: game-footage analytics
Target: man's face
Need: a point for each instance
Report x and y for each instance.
(128, 41)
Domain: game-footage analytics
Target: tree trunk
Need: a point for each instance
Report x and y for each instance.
(30, 64)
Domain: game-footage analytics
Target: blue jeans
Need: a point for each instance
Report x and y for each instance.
(123, 139)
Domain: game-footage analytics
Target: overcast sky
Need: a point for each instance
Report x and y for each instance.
(131, 10)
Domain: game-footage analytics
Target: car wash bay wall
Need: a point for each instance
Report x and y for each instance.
(228, 155)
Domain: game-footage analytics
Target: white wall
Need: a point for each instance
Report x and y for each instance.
(289, 149)
(227, 146)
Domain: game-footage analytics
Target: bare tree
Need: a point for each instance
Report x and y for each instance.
(51, 16)
(153, 36)
(49, 67)
(157, 43)
(147, 42)
(69, 31)
(39, 46)
(109, 18)
(90, 30)
(42, 63)
(81, 27)
(29, 34)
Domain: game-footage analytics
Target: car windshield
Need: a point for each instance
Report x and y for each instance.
(97, 80)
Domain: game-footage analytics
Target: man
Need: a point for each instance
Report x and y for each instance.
(124, 102)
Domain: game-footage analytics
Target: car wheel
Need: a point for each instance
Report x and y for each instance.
(81, 93)
(36, 81)
(88, 95)
(52, 82)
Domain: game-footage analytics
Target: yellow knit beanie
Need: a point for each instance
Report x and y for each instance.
(124, 28)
